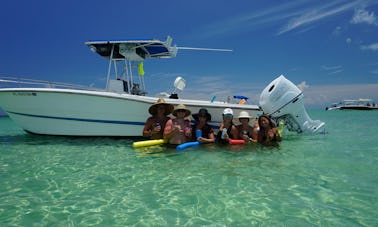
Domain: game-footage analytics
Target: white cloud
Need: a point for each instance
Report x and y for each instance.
(325, 67)
(375, 72)
(332, 69)
(373, 46)
(308, 16)
(337, 31)
(251, 21)
(289, 16)
(302, 86)
(363, 16)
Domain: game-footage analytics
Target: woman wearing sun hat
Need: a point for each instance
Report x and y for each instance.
(227, 129)
(206, 131)
(178, 130)
(246, 131)
(156, 123)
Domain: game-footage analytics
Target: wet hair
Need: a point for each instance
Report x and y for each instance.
(262, 134)
(271, 123)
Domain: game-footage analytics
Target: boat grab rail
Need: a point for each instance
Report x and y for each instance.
(24, 82)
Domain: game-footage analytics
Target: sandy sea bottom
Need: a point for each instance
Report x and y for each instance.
(327, 179)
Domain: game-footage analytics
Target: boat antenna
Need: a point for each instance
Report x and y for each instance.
(205, 49)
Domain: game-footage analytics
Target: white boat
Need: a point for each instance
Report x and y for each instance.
(50, 108)
(354, 104)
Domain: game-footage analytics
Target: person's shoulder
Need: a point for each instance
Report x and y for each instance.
(150, 119)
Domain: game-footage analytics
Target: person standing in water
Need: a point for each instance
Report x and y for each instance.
(206, 131)
(246, 131)
(178, 130)
(268, 132)
(227, 129)
(154, 126)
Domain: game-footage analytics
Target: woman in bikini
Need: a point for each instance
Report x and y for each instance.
(178, 130)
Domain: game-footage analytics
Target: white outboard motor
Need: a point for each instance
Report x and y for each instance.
(281, 99)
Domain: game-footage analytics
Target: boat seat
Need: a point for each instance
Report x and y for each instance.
(136, 90)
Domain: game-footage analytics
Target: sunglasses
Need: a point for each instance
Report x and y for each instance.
(227, 115)
(202, 115)
(181, 111)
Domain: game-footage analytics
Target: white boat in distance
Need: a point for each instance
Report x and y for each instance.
(121, 108)
(354, 104)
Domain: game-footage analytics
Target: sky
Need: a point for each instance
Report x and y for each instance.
(328, 48)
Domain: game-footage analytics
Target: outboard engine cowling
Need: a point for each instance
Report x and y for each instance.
(281, 99)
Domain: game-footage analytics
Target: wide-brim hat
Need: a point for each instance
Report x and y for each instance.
(181, 107)
(244, 114)
(202, 111)
(160, 102)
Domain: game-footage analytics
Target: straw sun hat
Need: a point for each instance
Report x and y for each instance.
(181, 107)
(160, 102)
(244, 114)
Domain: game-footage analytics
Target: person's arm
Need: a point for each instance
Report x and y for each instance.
(188, 130)
(254, 135)
(210, 139)
(277, 135)
(274, 135)
(169, 129)
(147, 128)
(234, 132)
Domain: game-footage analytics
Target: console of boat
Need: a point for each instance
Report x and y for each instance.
(354, 104)
(52, 108)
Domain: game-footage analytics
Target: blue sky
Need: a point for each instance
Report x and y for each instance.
(329, 48)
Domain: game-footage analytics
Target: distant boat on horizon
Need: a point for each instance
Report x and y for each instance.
(354, 104)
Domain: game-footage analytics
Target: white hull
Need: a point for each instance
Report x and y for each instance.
(354, 104)
(70, 112)
(353, 108)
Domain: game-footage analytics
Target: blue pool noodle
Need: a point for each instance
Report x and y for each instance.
(186, 145)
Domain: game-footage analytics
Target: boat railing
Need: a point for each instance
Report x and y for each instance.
(12, 82)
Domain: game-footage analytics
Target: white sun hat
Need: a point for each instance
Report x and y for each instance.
(244, 114)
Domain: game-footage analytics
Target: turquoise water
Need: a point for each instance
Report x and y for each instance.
(321, 180)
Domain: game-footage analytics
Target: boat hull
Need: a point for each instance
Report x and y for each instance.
(358, 108)
(353, 108)
(70, 112)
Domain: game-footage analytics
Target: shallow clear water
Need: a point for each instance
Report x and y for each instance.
(319, 180)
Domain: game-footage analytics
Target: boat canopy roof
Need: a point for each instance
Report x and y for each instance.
(134, 50)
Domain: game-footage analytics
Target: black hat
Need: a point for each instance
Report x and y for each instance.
(202, 112)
